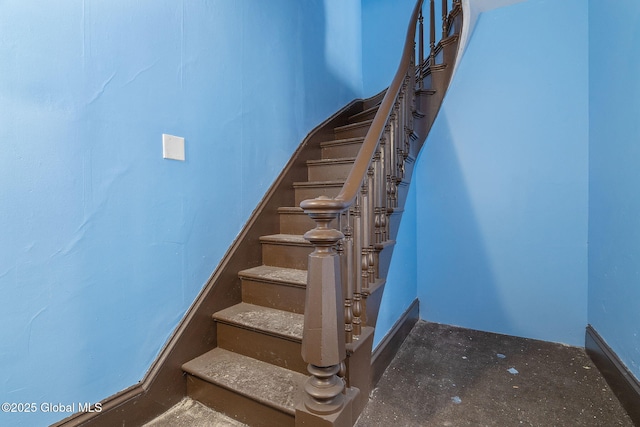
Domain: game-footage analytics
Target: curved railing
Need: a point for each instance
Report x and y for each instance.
(344, 266)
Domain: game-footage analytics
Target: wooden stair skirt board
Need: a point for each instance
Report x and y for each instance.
(238, 349)
(390, 344)
(625, 386)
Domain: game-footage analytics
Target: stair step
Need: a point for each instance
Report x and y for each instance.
(262, 333)
(267, 320)
(329, 169)
(312, 189)
(353, 130)
(285, 250)
(339, 148)
(244, 388)
(367, 114)
(274, 287)
(293, 220)
(189, 412)
(269, 274)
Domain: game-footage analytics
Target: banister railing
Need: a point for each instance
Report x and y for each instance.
(344, 265)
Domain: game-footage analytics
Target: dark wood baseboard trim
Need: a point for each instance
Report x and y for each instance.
(623, 383)
(390, 344)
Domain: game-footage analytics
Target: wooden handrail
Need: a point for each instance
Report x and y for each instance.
(344, 268)
(350, 189)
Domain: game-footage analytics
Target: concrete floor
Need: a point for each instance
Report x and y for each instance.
(448, 376)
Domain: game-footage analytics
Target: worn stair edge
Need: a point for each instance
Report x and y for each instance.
(345, 128)
(262, 382)
(435, 68)
(322, 162)
(285, 239)
(278, 275)
(190, 412)
(318, 184)
(343, 141)
(451, 38)
(266, 320)
(366, 114)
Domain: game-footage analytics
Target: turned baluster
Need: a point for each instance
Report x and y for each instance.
(432, 33)
(420, 47)
(445, 12)
(357, 264)
(371, 230)
(343, 249)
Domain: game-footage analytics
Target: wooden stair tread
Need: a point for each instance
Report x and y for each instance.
(268, 384)
(342, 141)
(270, 274)
(285, 239)
(290, 210)
(318, 183)
(425, 91)
(364, 113)
(451, 38)
(354, 125)
(434, 68)
(331, 161)
(189, 412)
(267, 320)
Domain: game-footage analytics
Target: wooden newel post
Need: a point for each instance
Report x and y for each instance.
(323, 342)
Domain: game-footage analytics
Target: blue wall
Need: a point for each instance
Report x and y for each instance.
(614, 176)
(104, 244)
(502, 180)
(384, 28)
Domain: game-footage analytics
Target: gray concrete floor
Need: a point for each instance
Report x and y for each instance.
(448, 376)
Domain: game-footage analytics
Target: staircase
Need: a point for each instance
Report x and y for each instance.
(299, 291)
(256, 372)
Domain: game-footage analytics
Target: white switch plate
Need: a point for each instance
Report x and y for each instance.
(172, 147)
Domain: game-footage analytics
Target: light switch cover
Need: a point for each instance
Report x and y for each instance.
(172, 147)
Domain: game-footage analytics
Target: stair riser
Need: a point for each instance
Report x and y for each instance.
(296, 223)
(267, 348)
(311, 192)
(236, 406)
(281, 297)
(299, 223)
(329, 171)
(357, 130)
(365, 115)
(338, 151)
(287, 256)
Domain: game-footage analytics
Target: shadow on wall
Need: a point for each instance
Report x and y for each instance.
(456, 281)
(329, 33)
(503, 179)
